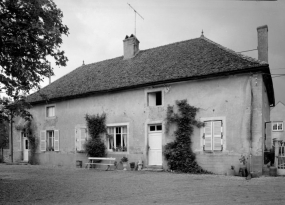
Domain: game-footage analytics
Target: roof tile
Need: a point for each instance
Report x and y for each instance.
(195, 57)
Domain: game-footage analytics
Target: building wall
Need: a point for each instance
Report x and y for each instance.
(226, 98)
(261, 114)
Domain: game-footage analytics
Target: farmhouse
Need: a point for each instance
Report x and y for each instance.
(234, 94)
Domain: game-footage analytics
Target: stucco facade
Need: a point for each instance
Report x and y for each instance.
(239, 101)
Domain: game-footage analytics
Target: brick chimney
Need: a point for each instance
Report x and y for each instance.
(131, 46)
(262, 43)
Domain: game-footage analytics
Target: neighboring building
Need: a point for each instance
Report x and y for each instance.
(275, 126)
(234, 94)
(277, 118)
(275, 138)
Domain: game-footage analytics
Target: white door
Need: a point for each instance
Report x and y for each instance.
(26, 149)
(155, 145)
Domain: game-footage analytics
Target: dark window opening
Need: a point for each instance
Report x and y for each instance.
(152, 128)
(154, 98)
(158, 127)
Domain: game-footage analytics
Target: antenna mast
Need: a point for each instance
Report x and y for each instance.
(135, 16)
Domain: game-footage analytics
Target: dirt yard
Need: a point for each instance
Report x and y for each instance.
(25, 184)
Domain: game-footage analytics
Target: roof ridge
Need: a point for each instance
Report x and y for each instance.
(169, 44)
(253, 60)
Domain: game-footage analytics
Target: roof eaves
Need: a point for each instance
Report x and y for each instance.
(226, 73)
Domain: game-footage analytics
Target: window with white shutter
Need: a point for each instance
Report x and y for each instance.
(43, 143)
(49, 140)
(56, 140)
(213, 136)
(80, 138)
(208, 136)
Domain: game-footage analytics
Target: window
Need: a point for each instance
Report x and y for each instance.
(49, 140)
(27, 144)
(50, 111)
(80, 138)
(154, 128)
(117, 138)
(213, 136)
(277, 126)
(154, 98)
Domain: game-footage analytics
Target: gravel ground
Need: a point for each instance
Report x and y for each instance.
(27, 184)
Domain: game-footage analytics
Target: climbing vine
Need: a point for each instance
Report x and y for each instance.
(178, 153)
(96, 124)
(27, 129)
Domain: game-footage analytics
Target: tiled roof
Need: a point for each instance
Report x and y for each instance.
(195, 58)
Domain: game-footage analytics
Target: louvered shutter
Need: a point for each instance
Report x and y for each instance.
(43, 141)
(77, 140)
(83, 137)
(56, 140)
(217, 135)
(208, 136)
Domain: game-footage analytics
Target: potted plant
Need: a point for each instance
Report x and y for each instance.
(243, 170)
(124, 161)
(132, 165)
(242, 161)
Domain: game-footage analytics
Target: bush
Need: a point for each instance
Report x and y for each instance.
(96, 124)
(95, 148)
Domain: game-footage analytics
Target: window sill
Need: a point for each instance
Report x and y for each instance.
(111, 151)
(277, 130)
(202, 152)
(50, 118)
(154, 106)
(81, 151)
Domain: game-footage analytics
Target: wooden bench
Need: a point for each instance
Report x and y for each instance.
(110, 162)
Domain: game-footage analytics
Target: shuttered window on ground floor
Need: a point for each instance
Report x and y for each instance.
(49, 140)
(81, 137)
(213, 135)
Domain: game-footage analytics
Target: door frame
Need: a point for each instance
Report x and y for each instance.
(23, 146)
(147, 124)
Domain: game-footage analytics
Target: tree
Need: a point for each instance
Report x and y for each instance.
(10, 109)
(4, 138)
(30, 31)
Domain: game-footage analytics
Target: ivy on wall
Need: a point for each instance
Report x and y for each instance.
(178, 153)
(96, 124)
(33, 143)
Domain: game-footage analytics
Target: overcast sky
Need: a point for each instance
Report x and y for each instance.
(97, 28)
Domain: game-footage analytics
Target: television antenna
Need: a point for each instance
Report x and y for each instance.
(135, 16)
